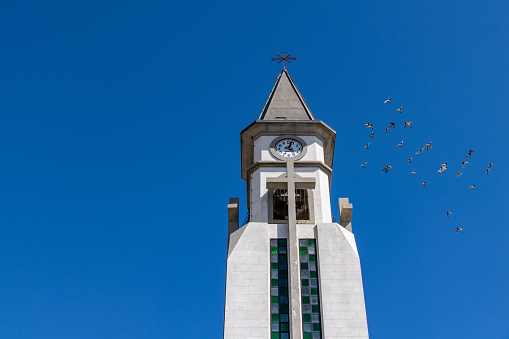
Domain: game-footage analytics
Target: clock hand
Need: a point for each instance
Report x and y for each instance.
(289, 148)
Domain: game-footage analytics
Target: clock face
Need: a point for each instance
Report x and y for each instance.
(288, 148)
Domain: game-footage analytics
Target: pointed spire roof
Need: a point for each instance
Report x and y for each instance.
(285, 101)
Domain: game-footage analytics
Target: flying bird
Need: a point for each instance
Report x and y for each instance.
(367, 145)
(428, 146)
(419, 151)
(390, 126)
(372, 135)
(491, 164)
(363, 164)
(366, 125)
(410, 160)
(448, 214)
(458, 175)
(469, 155)
(388, 101)
(400, 110)
(413, 172)
(386, 169)
(488, 170)
(473, 186)
(458, 229)
(464, 163)
(408, 124)
(400, 144)
(424, 183)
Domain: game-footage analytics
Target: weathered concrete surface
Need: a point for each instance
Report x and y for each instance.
(341, 291)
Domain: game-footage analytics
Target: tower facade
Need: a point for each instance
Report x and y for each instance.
(292, 271)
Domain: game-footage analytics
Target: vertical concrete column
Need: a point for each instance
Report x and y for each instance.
(294, 281)
(233, 216)
(345, 213)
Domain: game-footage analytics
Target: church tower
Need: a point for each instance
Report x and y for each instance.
(292, 271)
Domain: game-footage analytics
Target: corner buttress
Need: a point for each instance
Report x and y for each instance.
(345, 213)
(233, 216)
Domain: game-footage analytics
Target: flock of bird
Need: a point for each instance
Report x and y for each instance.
(443, 167)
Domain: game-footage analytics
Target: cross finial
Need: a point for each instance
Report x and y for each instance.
(284, 58)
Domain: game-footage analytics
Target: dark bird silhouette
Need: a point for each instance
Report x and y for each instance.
(400, 144)
(469, 155)
(363, 164)
(424, 183)
(367, 145)
(458, 175)
(390, 126)
(488, 170)
(413, 172)
(400, 110)
(410, 160)
(419, 151)
(491, 164)
(458, 229)
(386, 169)
(448, 214)
(408, 124)
(464, 163)
(372, 135)
(473, 186)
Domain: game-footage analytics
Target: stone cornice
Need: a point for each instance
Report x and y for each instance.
(298, 128)
(297, 164)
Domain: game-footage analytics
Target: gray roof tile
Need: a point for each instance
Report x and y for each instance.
(285, 101)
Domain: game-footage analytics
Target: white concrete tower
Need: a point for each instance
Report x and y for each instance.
(292, 271)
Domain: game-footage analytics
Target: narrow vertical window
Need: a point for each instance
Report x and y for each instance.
(311, 320)
(301, 204)
(279, 310)
(280, 204)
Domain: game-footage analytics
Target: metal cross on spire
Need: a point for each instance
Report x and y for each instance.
(284, 58)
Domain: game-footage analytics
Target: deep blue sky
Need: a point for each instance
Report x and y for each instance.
(119, 139)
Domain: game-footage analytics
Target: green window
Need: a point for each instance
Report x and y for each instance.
(311, 318)
(279, 309)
